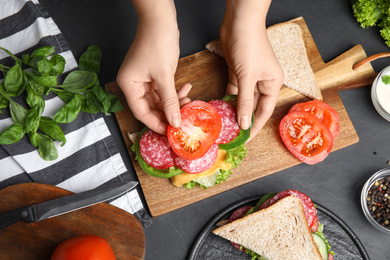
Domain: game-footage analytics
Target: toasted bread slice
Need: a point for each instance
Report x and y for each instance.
(287, 42)
(278, 232)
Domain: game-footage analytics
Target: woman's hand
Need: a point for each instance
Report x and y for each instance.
(255, 75)
(146, 76)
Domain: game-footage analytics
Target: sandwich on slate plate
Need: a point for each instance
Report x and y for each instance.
(280, 226)
(287, 42)
(202, 151)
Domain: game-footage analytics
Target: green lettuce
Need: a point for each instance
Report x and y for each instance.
(233, 156)
(321, 234)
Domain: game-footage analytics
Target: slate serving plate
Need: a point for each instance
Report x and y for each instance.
(342, 239)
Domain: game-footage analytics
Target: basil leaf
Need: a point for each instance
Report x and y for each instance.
(79, 81)
(103, 97)
(34, 64)
(58, 64)
(37, 88)
(26, 58)
(45, 67)
(15, 81)
(12, 135)
(386, 79)
(90, 60)
(33, 138)
(46, 148)
(11, 54)
(4, 98)
(65, 95)
(4, 102)
(44, 51)
(18, 113)
(116, 105)
(49, 127)
(88, 104)
(46, 81)
(35, 100)
(32, 120)
(69, 112)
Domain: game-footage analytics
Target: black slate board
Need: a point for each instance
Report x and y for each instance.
(342, 239)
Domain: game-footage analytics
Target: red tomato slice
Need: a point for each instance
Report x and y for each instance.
(88, 247)
(327, 114)
(200, 127)
(306, 137)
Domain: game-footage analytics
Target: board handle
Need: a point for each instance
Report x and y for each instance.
(371, 58)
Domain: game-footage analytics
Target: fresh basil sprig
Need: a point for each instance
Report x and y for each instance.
(35, 75)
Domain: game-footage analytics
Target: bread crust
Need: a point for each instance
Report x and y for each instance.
(279, 232)
(287, 42)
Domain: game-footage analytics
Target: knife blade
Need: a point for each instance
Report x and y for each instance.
(66, 204)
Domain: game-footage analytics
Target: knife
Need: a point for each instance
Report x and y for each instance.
(66, 204)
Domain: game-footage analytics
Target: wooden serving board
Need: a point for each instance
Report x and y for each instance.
(37, 241)
(267, 154)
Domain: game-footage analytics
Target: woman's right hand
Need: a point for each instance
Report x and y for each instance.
(146, 76)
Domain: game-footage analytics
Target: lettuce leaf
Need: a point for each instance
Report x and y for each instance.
(253, 254)
(321, 234)
(222, 176)
(235, 156)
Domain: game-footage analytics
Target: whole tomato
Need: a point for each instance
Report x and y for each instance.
(88, 247)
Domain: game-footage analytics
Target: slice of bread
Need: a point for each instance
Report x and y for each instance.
(279, 232)
(287, 42)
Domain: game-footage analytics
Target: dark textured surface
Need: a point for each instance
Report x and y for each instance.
(342, 239)
(336, 183)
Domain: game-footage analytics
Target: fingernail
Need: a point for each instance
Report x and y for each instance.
(175, 120)
(244, 122)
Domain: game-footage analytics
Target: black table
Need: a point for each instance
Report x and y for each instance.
(336, 183)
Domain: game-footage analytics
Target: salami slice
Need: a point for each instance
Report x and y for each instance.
(198, 165)
(308, 206)
(230, 127)
(238, 213)
(155, 150)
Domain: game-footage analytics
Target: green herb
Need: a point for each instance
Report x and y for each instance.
(370, 13)
(235, 156)
(13, 134)
(35, 75)
(386, 79)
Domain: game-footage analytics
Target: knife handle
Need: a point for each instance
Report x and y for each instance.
(11, 217)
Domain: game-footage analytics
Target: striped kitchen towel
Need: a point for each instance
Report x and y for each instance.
(90, 157)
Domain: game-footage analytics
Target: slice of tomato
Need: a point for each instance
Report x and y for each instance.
(200, 127)
(306, 137)
(327, 114)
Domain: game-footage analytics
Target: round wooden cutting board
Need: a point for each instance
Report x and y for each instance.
(37, 241)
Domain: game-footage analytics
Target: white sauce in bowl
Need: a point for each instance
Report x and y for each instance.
(383, 93)
(380, 94)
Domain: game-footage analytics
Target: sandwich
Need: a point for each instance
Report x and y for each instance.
(284, 226)
(201, 152)
(287, 42)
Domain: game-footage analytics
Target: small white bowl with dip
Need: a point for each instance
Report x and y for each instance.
(380, 94)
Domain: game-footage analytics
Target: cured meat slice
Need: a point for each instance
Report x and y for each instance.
(308, 206)
(230, 127)
(155, 150)
(198, 165)
(238, 213)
